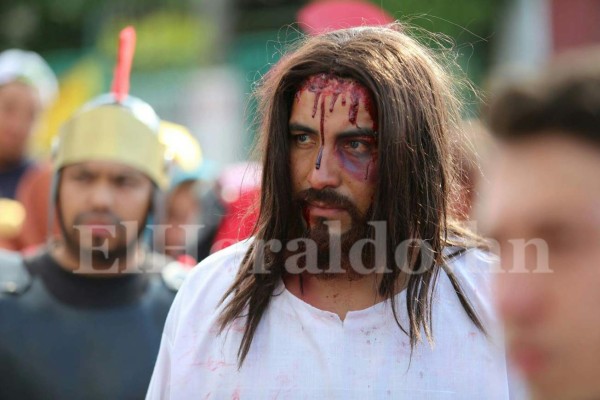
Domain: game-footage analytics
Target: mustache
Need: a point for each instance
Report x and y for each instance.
(326, 196)
(107, 218)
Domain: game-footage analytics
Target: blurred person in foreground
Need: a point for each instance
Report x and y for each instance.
(542, 206)
(357, 282)
(82, 319)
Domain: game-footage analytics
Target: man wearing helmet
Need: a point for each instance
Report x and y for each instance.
(83, 318)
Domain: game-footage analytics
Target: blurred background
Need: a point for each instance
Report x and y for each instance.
(197, 60)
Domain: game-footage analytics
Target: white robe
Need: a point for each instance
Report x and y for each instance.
(301, 352)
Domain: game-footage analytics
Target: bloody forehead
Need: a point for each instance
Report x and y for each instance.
(334, 88)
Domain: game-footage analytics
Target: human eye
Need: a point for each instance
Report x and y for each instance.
(360, 146)
(81, 176)
(126, 181)
(356, 145)
(302, 139)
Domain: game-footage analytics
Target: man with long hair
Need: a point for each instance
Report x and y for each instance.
(356, 283)
(542, 206)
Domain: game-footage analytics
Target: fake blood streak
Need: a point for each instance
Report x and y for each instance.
(353, 110)
(324, 85)
(320, 155)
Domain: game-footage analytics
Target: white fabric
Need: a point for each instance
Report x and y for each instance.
(24, 65)
(300, 352)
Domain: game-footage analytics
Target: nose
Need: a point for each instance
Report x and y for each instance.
(520, 297)
(325, 172)
(101, 197)
(18, 126)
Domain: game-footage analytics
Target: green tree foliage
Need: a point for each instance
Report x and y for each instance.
(164, 39)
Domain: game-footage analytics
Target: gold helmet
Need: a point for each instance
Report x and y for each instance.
(116, 127)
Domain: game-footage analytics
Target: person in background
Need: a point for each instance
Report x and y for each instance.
(542, 206)
(181, 203)
(33, 195)
(180, 218)
(27, 86)
(82, 318)
(238, 188)
(229, 208)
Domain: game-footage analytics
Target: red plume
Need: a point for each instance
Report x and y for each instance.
(120, 87)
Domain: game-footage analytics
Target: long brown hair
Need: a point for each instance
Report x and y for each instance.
(416, 108)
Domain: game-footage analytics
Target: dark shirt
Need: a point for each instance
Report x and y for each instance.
(74, 337)
(9, 179)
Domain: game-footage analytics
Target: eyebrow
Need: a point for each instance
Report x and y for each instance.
(349, 133)
(302, 128)
(357, 132)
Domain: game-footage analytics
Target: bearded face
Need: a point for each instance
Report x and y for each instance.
(102, 204)
(333, 159)
(329, 244)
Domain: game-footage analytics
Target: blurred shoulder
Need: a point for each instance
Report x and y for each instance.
(15, 279)
(473, 265)
(474, 271)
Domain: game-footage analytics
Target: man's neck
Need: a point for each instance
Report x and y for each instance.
(339, 295)
(72, 263)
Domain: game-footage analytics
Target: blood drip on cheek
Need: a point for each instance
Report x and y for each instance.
(320, 155)
(306, 215)
(371, 168)
(363, 168)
